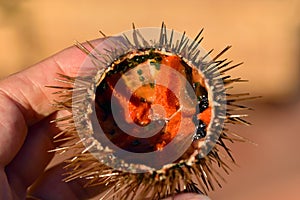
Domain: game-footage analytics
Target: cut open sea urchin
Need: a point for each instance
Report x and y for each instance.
(148, 114)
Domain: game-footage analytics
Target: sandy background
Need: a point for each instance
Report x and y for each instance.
(264, 34)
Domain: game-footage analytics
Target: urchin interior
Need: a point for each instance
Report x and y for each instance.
(151, 105)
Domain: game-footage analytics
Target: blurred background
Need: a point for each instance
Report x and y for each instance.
(265, 35)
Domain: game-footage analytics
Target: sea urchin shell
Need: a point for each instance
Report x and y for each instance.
(148, 109)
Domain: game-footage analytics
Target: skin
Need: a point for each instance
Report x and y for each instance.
(26, 134)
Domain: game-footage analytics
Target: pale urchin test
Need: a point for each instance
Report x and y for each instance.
(148, 114)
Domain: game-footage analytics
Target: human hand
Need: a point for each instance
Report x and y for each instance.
(26, 135)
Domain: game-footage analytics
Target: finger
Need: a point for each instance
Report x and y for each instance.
(33, 157)
(13, 130)
(24, 99)
(27, 88)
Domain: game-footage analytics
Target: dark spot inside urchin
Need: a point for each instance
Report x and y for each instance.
(139, 72)
(152, 85)
(141, 78)
(201, 127)
(200, 131)
(112, 132)
(136, 142)
(143, 100)
(155, 64)
(202, 103)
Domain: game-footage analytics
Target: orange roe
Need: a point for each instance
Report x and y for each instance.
(139, 107)
(205, 116)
